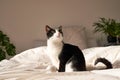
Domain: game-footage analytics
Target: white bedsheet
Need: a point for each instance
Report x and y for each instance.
(33, 64)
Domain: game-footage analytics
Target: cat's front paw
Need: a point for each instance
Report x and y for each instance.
(51, 69)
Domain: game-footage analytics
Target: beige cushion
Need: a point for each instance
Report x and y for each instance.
(75, 35)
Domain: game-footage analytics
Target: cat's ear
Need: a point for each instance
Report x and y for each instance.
(47, 28)
(60, 28)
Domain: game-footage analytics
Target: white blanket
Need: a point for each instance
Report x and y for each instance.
(34, 64)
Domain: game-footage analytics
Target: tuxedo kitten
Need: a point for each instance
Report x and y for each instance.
(66, 57)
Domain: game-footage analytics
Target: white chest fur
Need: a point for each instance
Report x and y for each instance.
(53, 51)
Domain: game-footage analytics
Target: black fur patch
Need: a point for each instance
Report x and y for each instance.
(71, 53)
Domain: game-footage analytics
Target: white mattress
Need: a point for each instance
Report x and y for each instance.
(33, 64)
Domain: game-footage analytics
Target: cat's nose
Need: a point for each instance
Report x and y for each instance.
(58, 35)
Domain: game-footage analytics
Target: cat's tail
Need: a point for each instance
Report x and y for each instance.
(104, 61)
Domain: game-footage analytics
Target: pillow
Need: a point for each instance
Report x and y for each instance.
(75, 35)
(111, 53)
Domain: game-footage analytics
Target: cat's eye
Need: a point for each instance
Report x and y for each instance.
(60, 30)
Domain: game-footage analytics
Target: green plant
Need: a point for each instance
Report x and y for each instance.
(6, 47)
(109, 27)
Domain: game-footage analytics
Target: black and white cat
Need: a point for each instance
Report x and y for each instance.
(65, 57)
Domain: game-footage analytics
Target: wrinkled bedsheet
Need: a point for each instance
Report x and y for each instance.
(34, 64)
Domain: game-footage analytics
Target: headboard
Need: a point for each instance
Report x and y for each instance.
(72, 34)
(75, 35)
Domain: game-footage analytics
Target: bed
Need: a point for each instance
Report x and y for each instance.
(34, 64)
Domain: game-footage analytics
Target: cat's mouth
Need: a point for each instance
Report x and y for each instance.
(58, 36)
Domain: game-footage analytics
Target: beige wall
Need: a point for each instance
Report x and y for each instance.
(24, 20)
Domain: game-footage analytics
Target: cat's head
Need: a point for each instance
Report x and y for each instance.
(54, 34)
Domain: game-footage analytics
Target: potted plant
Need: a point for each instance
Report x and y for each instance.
(6, 48)
(110, 27)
